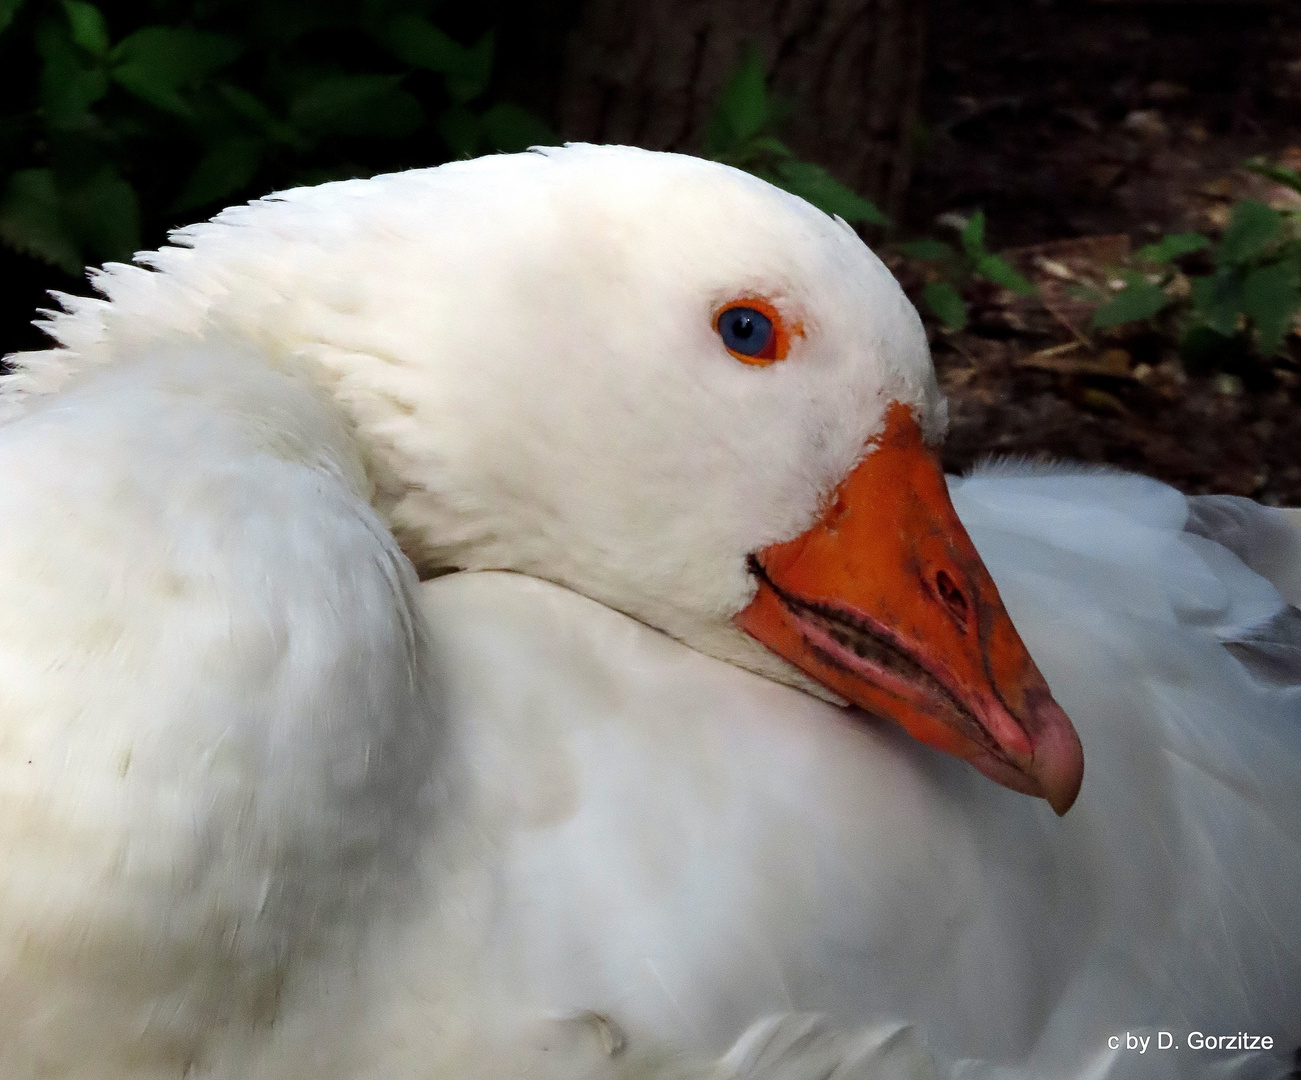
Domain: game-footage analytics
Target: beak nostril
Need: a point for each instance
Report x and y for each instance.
(952, 597)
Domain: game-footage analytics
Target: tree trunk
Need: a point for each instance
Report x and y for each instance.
(650, 73)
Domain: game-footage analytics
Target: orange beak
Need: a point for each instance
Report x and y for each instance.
(885, 602)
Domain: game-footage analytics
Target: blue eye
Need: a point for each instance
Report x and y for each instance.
(748, 332)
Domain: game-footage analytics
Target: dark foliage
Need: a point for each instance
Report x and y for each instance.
(121, 120)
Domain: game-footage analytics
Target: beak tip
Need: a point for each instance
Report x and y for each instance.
(1062, 803)
(1059, 757)
(1064, 798)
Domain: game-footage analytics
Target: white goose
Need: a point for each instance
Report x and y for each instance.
(266, 811)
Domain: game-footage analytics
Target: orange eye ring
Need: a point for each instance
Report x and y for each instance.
(777, 345)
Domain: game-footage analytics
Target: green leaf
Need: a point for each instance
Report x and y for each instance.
(1001, 272)
(1201, 348)
(156, 62)
(466, 70)
(68, 88)
(470, 78)
(510, 129)
(356, 105)
(1139, 300)
(743, 109)
(228, 166)
(926, 249)
(1217, 300)
(1252, 228)
(1172, 247)
(88, 27)
(769, 145)
(815, 184)
(31, 220)
(946, 304)
(756, 154)
(973, 237)
(1277, 173)
(1271, 297)
(248, 107)
(105, 213)
(285, 23)
(421, 44)
(461, 131)
(8, 9)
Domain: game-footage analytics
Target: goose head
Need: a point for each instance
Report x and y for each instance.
(655, 380)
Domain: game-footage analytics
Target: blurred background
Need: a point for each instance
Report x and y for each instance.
(1096, 204)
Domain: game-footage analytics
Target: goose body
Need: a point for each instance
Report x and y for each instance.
(740, 849)
(269, 808)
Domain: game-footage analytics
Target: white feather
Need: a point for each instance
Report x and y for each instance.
(266, 814)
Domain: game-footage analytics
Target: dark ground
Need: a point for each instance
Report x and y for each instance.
(1094, 119)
